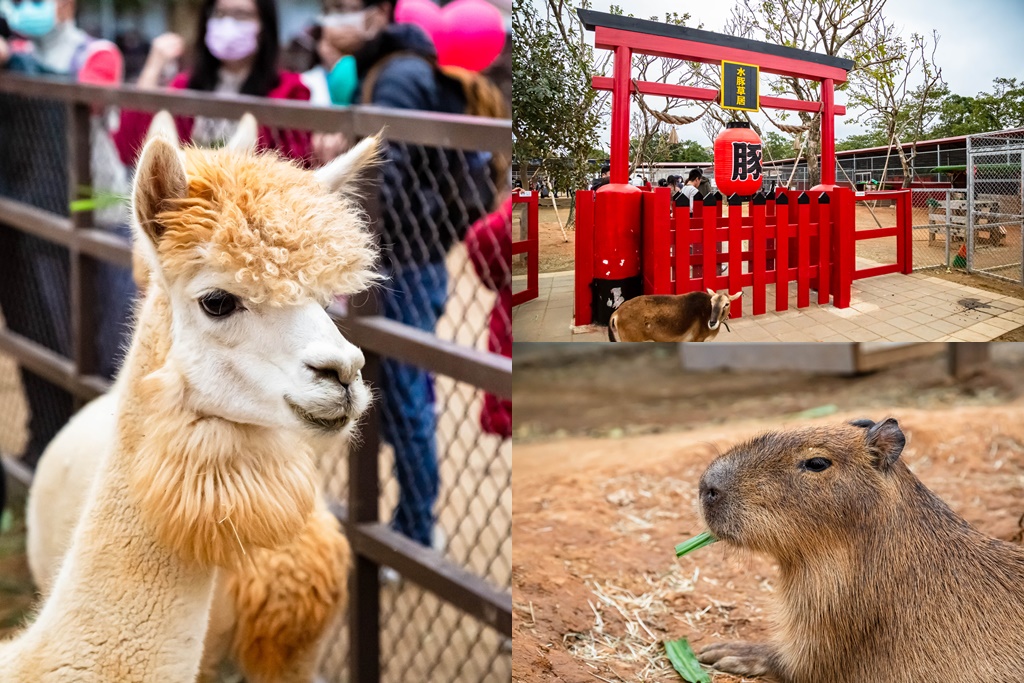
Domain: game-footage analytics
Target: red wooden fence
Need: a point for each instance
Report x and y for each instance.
(902, 231)
(529, 246)
(732, 248)
(728, 244)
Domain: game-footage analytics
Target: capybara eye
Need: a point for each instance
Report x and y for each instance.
(219, 304)
(816, 464)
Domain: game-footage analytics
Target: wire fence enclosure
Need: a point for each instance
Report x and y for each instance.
(995, 196)
(66, 293)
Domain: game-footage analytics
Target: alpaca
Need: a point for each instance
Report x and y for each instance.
(234, 375)
(269, 617)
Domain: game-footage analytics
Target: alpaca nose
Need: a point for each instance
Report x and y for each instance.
(329, 373)
(340, 370)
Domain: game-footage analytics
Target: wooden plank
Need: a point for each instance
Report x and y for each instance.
(735, 254)
(782, 252)
(803, 253)
(759, 262)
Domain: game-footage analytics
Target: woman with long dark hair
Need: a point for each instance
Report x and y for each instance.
(236, 52)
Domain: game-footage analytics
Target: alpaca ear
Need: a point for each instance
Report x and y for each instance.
(349, 165)
(737, 295)
(884, 439)
(160, 176)
(163, 126)
(711, 291)
(246, 135)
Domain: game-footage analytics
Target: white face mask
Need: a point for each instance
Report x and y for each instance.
(350, 19)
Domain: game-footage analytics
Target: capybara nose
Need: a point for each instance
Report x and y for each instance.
(709, 495)
(714, 483)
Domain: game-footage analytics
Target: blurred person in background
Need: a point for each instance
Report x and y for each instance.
(41, 37)
(489, 244)
(236, 52)
(429, 198)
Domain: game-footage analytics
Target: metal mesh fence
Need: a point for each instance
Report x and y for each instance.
(872, 168)
(995, 195)
(940, 220)
(445, 473)
(34, 288)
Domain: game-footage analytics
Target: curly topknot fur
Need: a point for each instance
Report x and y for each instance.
(268, 225)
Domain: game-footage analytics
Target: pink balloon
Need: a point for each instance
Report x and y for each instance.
(423, 13)
(467, 33)
(471, 35)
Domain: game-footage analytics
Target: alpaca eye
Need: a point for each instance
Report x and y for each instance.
(219, 304)
(816, 464)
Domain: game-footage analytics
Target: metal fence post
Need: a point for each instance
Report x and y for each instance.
(364, 504)
(949, 231)
(83, 274)
(969, 227)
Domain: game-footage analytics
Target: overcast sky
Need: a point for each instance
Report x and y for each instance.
(979, 40)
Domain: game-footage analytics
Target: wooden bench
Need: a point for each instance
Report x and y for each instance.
(939, 219)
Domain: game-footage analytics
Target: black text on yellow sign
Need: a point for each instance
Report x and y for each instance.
(740, 86)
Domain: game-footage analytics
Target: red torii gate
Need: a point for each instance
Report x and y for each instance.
(618, 220)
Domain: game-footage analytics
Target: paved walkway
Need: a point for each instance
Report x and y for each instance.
(887, 308)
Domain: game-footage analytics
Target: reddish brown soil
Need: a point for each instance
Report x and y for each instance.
(601, 514)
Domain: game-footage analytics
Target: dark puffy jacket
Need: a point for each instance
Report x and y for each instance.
(429, 196)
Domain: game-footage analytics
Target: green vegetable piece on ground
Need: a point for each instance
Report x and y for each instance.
(685, 662)
(695, 543)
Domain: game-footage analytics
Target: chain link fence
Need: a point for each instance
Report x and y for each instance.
(940, 227)
(444, 465)
(995, 196)
(931, 165)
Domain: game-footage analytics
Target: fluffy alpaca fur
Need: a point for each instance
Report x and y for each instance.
(185, 488)
(269, 616)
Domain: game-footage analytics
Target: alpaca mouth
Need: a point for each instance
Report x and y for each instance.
(328, 424)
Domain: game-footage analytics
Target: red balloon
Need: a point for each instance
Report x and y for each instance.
(738, 168)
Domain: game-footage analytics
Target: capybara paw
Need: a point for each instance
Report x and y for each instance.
(740, 658)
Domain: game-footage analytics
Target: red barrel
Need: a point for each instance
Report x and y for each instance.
(617, 232)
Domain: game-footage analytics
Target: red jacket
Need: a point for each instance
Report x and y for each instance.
(489, 242)
(293, 144)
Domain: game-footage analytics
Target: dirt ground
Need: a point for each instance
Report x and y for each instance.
(607, 456)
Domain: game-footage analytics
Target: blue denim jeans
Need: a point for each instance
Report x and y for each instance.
(415, 295)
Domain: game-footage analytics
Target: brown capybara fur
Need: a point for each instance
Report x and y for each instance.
(880, 581)
(691, 317)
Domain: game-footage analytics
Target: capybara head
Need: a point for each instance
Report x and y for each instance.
(720, 303)
(775, 491)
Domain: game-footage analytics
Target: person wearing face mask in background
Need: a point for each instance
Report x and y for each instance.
(236, 52)
(41, 38)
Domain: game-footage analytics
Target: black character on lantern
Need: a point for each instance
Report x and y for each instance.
(746, 161)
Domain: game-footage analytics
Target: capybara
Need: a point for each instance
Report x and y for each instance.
(880, 581)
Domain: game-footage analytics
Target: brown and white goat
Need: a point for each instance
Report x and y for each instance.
(691, 317)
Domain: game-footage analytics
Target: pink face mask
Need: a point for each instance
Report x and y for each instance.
(230, 39)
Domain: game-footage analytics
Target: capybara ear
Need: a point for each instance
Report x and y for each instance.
(885, 440)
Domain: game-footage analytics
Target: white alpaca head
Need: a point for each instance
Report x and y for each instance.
(249, 249)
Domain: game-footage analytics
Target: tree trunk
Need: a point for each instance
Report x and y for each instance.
(813, 150)
(905, 163)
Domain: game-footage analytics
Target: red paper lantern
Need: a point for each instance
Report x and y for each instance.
(738, 160)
